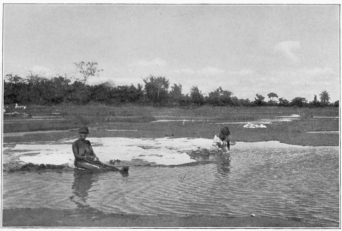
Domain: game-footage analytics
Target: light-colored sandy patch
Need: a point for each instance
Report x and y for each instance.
(48, 153)
(183, 121)
(239, 122)
(283, 118)
(163, 151)
(325, 117)
(291, 116)
(267, 121)
(325, 132)
(114, 130)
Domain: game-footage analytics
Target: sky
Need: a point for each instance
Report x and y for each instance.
(291, 50)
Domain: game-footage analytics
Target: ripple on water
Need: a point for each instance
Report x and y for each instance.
(300, 182)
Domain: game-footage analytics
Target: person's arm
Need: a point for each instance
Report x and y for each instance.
(228, 142)
(93, 153)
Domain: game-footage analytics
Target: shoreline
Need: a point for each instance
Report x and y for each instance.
(44, 217)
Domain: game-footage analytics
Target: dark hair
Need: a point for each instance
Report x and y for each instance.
(84, 129)
(224, 133)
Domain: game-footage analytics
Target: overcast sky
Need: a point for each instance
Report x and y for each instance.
(291, 50)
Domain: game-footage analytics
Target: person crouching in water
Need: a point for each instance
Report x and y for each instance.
(85, 157)
(222, 140)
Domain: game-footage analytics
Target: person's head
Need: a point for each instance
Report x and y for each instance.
(224, 133)
(83, 131)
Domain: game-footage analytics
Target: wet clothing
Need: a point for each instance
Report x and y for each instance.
(218, 143)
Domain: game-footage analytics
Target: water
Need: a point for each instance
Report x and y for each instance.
(277, 181)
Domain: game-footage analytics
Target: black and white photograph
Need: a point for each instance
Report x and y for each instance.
(171, 115)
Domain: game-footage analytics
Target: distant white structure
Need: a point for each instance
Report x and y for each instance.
(21, 107)
(13, 113)
(250, 125)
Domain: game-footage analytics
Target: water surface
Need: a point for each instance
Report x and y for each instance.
(267, 179)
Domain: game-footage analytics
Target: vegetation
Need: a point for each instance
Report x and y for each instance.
(156, 89)
(87, 69)
(38, 90)
(325, 97)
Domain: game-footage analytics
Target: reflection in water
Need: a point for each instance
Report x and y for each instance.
(267, 180)
(83, 181)
(223, 163)
(221, 159)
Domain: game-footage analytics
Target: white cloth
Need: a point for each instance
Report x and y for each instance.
(218, 143)
(217, 140)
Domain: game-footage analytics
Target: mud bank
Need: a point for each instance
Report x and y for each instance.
(20, 166)
(129, 152)
(92, 218)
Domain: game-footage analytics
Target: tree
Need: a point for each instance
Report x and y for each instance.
(235, 101)
(283, 102)
(299, 102)
(176, 93)
(156, 89)
(14, 79)
(185, 100)
(219, 97)
(87, 69)
(337, 103)
(15, 89)
(100, 93)
(315, 102)
(226, 97)
(272, 95)
(244, 102)
(79, 93)
(38, 89)
(214, 98)
(325, 97)
(259, 100)
(61, 87)
(196, 96)
(127, 94)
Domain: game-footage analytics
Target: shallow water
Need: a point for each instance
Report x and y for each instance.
(212, 121)
(266, 178)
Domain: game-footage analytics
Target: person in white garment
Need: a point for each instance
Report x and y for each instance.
(222, 140)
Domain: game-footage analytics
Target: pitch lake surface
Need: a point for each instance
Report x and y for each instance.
(263, 178)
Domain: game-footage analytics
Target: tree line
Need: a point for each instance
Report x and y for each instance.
(156, 91)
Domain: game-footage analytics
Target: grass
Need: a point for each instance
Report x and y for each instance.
(39, 126)
(137, 118)
(99, 110)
